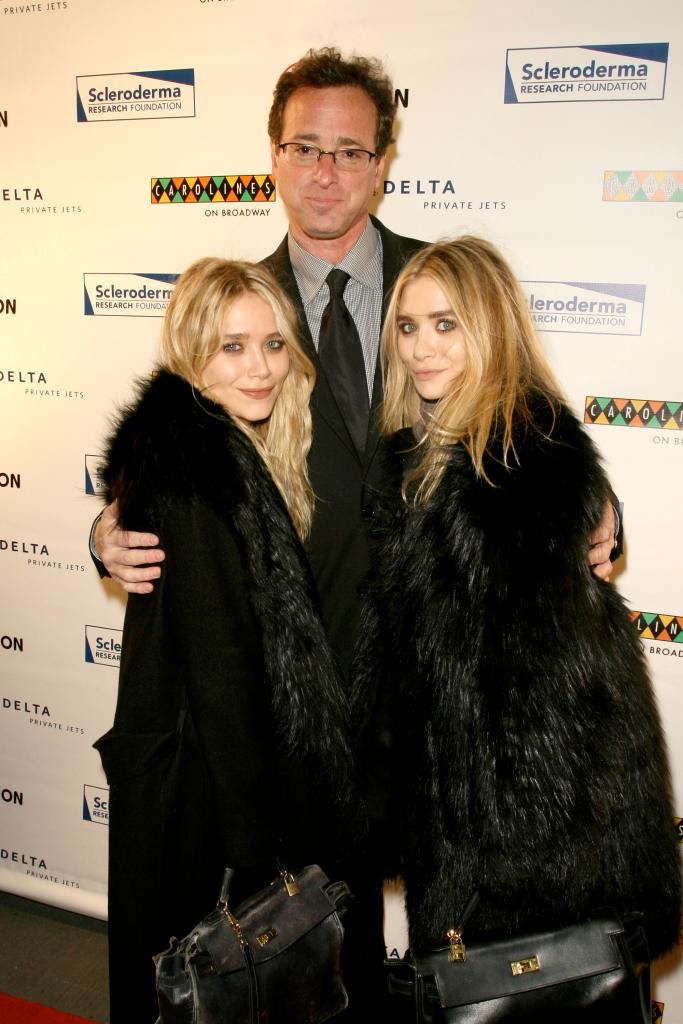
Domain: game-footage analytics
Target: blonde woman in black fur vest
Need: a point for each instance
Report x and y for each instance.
(228, 743)
(529, 762)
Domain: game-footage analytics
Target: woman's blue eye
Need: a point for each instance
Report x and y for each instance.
(275, 344)
(446, 325)
(232, 346)
(406, 327)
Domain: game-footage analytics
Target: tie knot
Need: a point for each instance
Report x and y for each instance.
(336, 282)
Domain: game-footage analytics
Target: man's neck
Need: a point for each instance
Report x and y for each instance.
(332, 250)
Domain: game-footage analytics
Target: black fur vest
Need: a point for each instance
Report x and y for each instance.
(530, 763)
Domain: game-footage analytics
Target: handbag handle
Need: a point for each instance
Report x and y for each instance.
(458, 953)
(286, 877)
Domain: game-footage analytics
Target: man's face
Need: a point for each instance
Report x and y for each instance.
(322, 201)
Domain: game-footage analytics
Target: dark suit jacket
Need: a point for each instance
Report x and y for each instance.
(343, 483)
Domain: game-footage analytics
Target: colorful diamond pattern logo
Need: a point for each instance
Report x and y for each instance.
(227, 188)
(634, 412)
(643, 187)
(657, 626)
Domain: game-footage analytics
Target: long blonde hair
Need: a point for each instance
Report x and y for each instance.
(504, 363)
(192, 336)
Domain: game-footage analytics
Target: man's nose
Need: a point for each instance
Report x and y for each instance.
(326, 169)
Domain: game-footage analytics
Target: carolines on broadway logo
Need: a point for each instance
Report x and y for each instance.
(586, 308)
(634, 412)
(619, 71)
(103, 645)
(127, 294)
(642, 187)
(217, 188)
(656, 626)
(133, 95)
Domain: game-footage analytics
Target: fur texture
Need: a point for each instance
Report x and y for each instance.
(531, 763)
(175, 446)
(229, 744)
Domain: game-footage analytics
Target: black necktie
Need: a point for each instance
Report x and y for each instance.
(341, 355)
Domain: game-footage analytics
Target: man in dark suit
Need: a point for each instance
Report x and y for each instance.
(330, 126)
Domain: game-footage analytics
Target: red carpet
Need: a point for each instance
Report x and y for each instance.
(18, 1011)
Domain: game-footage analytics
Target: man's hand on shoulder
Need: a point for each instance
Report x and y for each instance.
(127, 554)
(601, 544)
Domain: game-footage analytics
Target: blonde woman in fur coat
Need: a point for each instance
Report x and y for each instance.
(528, 758)
(228, 744)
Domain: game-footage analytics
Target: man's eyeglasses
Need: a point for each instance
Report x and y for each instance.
(300, 154)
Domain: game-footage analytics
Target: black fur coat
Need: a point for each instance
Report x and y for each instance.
(529, 759)
(229, 742)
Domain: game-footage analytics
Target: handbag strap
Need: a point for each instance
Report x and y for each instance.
(225, 886)
(458, 953)
(292, 886)
(254, 1009)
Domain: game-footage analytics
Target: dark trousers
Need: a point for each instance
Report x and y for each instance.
(363, 954)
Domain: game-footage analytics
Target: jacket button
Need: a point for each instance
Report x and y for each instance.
(367, 511)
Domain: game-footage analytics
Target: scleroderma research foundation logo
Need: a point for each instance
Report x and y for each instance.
(634, 412)
(560, 74)
(227, 188)
(134, 95)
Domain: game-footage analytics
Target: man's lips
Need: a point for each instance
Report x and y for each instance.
(323, 200)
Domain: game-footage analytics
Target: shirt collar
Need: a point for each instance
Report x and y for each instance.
(363, 262)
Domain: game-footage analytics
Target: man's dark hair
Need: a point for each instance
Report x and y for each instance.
(321, 69)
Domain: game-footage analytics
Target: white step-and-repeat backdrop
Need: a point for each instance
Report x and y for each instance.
(133, 140)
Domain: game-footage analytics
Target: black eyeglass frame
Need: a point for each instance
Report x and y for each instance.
(328, 152)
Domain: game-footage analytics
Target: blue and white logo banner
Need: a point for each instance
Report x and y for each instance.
(127, 294)
(560, 74)
(103, 645)
(135, 95)
(586, 308)
(96, 805)
(94, 484)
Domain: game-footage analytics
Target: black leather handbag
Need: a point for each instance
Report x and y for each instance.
(275, 957)
(592, 972)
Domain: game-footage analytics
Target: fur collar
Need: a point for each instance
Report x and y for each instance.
(173, 445)
(532, 766)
